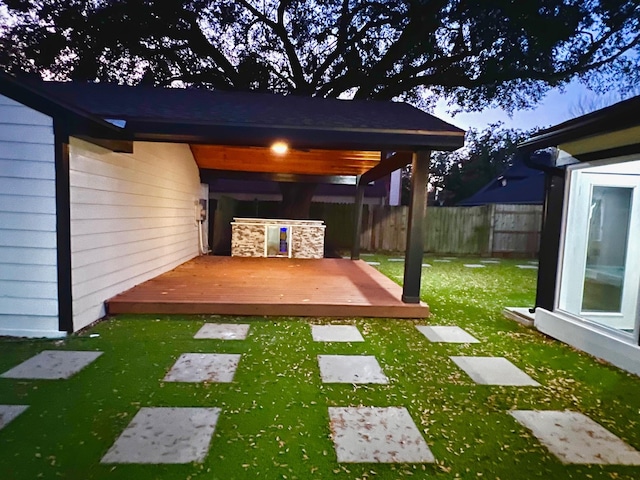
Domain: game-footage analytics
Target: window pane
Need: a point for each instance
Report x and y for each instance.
(609, 217)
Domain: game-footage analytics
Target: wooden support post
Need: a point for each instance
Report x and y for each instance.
(415, 231)
(357, 218)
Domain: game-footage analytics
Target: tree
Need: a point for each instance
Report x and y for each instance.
(486, 154)
(475, 53)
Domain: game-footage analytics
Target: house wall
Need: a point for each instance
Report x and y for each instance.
(28, 258)
(132, 218)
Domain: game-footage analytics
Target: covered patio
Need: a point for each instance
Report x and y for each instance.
(130, 201)
(329, 287)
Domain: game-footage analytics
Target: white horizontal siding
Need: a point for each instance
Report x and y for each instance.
(132, 218)
(28, 256)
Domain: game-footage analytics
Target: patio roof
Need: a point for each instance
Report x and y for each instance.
(257, 119)
(233, 131)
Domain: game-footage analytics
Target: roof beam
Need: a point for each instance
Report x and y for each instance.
(386, 166)
(210, 175)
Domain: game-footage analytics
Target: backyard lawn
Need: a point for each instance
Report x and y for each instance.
(273, 417)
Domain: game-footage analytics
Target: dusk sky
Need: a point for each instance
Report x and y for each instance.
(556, 107)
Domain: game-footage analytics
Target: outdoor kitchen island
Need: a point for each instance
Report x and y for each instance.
(262, 237)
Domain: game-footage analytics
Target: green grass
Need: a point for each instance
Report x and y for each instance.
(274, 420)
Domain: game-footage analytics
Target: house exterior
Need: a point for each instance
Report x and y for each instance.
(589, 281)
(99, 225)
(101, 185)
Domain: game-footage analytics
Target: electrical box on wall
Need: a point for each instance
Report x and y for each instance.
(201, 214)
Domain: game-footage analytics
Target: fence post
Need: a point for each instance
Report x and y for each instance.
(492, 226)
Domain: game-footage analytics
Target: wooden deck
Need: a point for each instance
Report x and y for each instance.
(272, 287)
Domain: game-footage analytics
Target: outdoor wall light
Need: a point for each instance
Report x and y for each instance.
(279, 148)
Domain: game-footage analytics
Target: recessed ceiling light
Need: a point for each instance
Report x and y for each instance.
(279, 148)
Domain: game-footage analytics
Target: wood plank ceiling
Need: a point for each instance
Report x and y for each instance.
(299, 162)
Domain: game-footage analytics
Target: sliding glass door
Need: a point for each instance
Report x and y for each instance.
(601, 264)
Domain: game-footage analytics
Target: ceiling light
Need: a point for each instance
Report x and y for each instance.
(279, 148)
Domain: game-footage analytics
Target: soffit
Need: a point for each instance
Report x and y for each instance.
(295, 161)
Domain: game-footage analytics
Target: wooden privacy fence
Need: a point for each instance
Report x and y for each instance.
(500, 230)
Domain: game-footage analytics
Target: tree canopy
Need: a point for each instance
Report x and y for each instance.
(487, 153)
(475, 53)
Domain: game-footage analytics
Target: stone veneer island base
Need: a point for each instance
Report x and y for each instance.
(261, 237)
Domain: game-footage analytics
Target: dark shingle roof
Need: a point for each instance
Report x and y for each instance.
(162, 112)
(241, 108)
(518, 184)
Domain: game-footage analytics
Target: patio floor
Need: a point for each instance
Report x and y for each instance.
(326, 287)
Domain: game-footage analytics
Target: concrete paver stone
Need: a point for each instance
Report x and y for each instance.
(204, 367)
(528, 267)
(575, 438)
(165, 435)
(395, 260)
(381, 435)
(350, 369)
(52, 365)
(336, 333)
(223, 331)
(9, 412)
(447, 334)
(474, 265)
(494, 371)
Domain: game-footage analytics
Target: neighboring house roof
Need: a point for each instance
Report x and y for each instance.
(518, 184)
(245, 118)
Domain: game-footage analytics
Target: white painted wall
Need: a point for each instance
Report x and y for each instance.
(28, 259)
(132, 218)
(588, 338)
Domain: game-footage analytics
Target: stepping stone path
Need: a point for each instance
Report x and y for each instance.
(9, 412)
(165, 435)
(575, 438)
(350, 369)
(528, 267)
(494, 371)
(223, 331)
(178, 435)
(474, 265)
(426, 265)
(395, 260)
(204, 367)
(382, 435)
(52, 365)
(442, 260)
(447, 334)
(374, 264)
(490, 261)
(336, 333)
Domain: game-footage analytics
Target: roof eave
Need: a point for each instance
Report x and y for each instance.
(321, 138)
(615, 117)
(77, 121)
